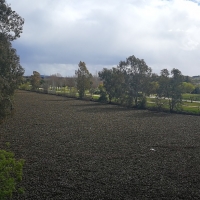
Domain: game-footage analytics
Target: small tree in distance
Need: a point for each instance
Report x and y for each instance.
(35, 80)
(83, 80)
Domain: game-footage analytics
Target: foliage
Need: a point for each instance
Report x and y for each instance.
(110, 83)
(95, 81)
(83, 79)
(103, 94)
(171, 88)
(136, 79)
(35, 80)
(11, 23)
(188, 87)
(10, 174)
(176, 90)
(25, 86)
(196, 90)
(10, 76)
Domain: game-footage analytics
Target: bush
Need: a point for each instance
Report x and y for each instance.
(142, 103)
(103, 94)
(25, 86)
(10, 174)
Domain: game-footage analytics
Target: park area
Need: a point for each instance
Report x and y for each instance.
(77, 149)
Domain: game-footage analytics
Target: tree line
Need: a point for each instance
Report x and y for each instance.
(128, 84)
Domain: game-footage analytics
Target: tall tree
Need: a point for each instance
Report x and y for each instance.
(35, 80)
(137, 78)
(10, 69)
(188, 87)
(10, 76)
(107, 76)
(11, 24)
(83, 79)
(171, 88)
(164, 84)
(176, 90)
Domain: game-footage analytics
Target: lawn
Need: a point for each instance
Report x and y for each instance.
(194, 97)
(85, 150)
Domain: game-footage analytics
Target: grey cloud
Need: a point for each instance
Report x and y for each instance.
(101, 33)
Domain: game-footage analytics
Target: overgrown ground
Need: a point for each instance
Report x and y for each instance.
(85, 150)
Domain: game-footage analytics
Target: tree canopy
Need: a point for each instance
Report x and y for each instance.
(10, 69)
(83, 79)
(11, 24)
(35, 80)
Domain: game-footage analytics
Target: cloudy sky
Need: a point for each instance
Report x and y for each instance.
(59, 34)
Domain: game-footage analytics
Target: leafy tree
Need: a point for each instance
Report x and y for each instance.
(83, 79)
(103, 94)
(196, 90)
(154, 85)
(164, 87)
(35, 80)
(176, 90)
(171, 88)
(109, 82)
(10, 76)
(137, 78)
(188, 87)
(11, 23)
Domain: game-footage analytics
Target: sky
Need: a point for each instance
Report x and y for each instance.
(57, 35)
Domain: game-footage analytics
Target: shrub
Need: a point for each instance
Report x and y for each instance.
(142, 103)
(103, 94)
(10, 174)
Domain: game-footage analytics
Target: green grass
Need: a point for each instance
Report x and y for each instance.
(193, 108)
(195, 97)
(190, 107)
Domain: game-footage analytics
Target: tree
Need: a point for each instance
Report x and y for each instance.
(109, 82)
(163, 81)
(188, 87)
(196, 90)
(10, 69)
(11, 24)
(176, 90)
(35, 80)
(10, 76)
(83, 79)
(171, 88)
(137, 78)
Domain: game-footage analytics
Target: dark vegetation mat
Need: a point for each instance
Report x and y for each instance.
(85, 150)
